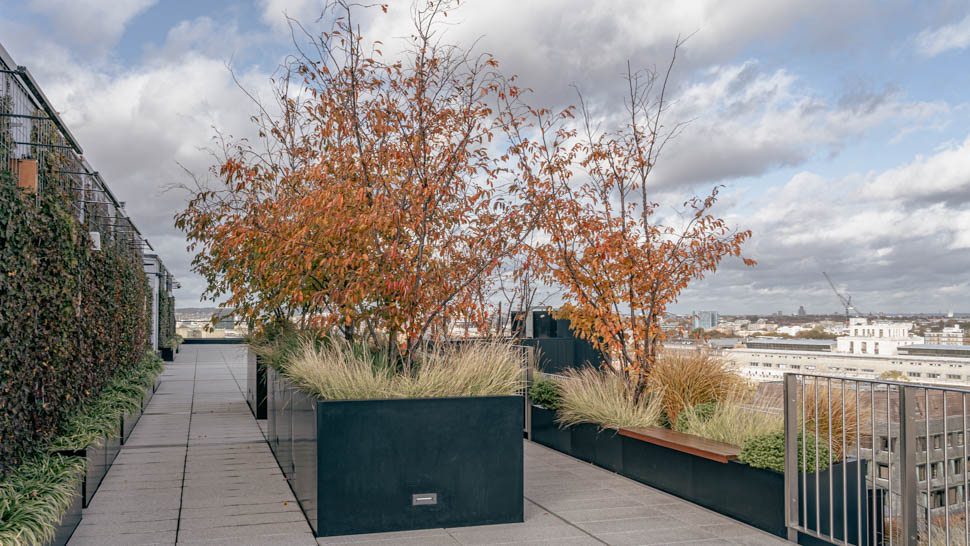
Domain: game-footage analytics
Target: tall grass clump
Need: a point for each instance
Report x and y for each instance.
(687, 380)
(279, 343)
(588, 395)
(35, 496)
(735, 420)
(832, 414)
(338, 370)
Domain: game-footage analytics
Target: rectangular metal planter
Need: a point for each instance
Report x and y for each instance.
(128, 422)
(168, 355)
(546, 431)
(256, 386)
(97, 467)
(369, 466)
(70, 520)
(752, 495)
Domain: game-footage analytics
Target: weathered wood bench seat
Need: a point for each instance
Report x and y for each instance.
(688, 443)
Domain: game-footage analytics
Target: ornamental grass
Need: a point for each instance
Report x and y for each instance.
(335, 369)
(603, 398)
(687, 380)
(35, 496)
(735, 420)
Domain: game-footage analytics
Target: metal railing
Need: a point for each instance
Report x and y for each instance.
(876, 462)
(36, 146)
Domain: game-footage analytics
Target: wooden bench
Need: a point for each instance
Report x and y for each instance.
(687, 443)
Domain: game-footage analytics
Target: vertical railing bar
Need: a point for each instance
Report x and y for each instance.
(872, 450)
(963, 465)
(907, 464)
(889, 451)
(929, 469)
(845, 467)
(946, 463)
(791, 456)
(828, 421)
(804, 466)
(818, 515)
(858, 457)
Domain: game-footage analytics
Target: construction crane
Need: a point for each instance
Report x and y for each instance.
(846, 301)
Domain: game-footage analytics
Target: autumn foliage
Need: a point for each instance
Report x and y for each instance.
(385, 192)
(620, 264)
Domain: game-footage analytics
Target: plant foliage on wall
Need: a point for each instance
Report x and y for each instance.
(71, 318)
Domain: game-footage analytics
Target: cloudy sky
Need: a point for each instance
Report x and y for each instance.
(839, 129)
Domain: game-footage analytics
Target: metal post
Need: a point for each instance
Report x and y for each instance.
(907, 464)
(791, 455)
(529, 378)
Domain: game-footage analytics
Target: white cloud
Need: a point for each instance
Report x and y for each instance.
(932, 42)
(276, 12)
(894, 251)
(97, 24)
(943, 176)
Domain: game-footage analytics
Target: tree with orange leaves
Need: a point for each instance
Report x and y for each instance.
(618, 264)
(383, 193)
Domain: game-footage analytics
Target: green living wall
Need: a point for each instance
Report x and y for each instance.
(70, 317)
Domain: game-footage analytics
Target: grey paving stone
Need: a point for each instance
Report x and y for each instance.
(123, 540)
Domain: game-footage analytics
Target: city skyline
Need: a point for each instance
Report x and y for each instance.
(841, 142)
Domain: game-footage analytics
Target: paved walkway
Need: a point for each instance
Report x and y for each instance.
(197, 470)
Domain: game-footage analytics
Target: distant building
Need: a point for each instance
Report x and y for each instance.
(951, 335)
(801, 311)
(703, 319)
(876, 338)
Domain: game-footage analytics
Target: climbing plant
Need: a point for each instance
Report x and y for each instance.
(71, 317)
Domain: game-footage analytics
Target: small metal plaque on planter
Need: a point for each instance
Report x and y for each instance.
(422, 499)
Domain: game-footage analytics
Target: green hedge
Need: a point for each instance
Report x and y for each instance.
(71, 318)
(768, 451)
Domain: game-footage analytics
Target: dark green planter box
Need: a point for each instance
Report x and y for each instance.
(128, 422)
(70, 520)
(168, 355)
(546, 431)
(256, 386)
(752, 495)
(358, 465)
(97, 467)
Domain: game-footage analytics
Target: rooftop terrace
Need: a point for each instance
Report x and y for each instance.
(197, 470)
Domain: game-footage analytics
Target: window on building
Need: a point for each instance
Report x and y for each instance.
(959, 438)
(937, 441)
(956, 466)
(767, 364)
(921, 443)
(884, 471)
(937, 499)
(880, 332)
(782, 366)
(913, 374)
(954, 376)
(933, 375)
(864, 351)
(809, 367)
(936, 470)
(796, 366)
(921, 472)
(875, 348)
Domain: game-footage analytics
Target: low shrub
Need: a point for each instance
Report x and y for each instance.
(734, 421)
(338, 370)
(695, 416)
(100, 418)
(545, 393)
(689, 380)
(768, 451)
(34, 497)
(605, 399)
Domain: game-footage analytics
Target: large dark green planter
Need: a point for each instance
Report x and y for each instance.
(128, 422)
(369, 466)
(752, 495)
(70, 520)
(168, 355)
(546, 431)
(256, 386)
(97, 467)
